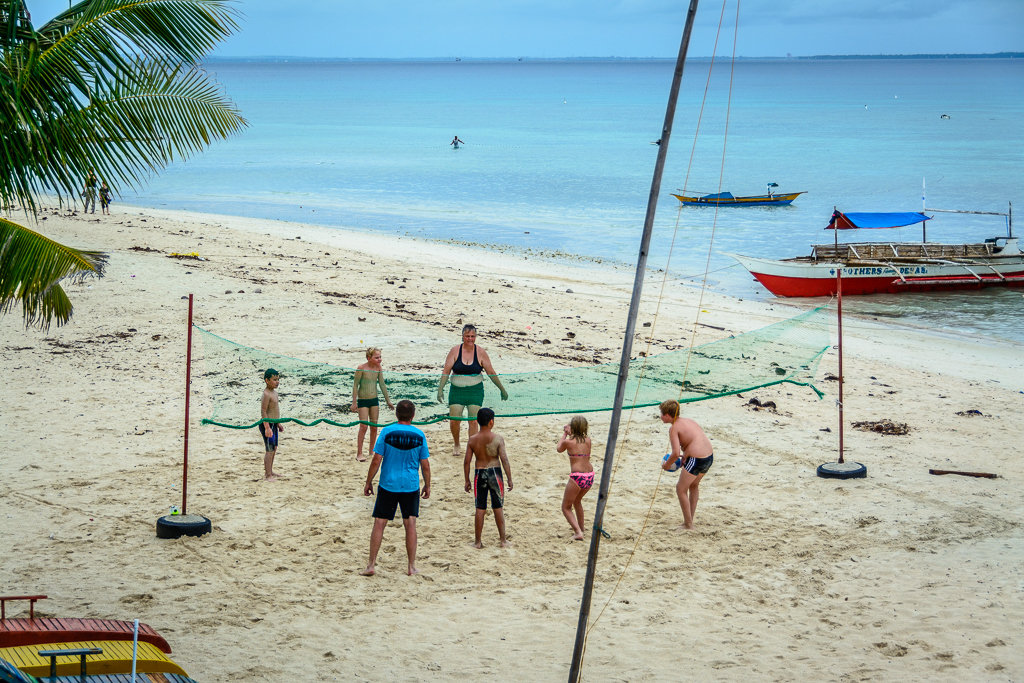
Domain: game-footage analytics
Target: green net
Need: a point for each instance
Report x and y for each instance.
(314, 393)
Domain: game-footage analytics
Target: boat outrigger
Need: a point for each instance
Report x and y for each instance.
(726, 199)
(893, 267)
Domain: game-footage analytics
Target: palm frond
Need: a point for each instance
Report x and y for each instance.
(31, 268)
(66, 104)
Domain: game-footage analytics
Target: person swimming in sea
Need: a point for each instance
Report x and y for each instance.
(456, 142)
(368, 377)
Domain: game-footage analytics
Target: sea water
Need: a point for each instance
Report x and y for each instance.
(558, 157)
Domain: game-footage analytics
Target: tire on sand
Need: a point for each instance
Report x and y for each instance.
(846, 470)
(176, 526)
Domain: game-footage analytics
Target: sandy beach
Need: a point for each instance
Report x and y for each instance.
(902, 576)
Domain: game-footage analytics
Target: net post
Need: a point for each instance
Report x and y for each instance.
(188, 387)
(627, 348)
(839, 292)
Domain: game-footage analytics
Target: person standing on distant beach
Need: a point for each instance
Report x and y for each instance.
(400, 454)
(576, 444)
(270, 409)
(687, 439)
(89, 195)
(105, 198)
(365, 403)
(464, 367)
(456, 142)
(489, 449)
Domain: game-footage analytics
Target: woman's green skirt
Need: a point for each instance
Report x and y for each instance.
(466, 396)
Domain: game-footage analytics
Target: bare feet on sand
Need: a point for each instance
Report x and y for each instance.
(360, 458)
(273, 477)
(478, 545)
(683, 527)
(413, 571)
(506, 544)
(369, 571)
(578, 536)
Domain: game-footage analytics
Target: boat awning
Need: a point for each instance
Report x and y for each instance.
(851, 221)
(720, 195)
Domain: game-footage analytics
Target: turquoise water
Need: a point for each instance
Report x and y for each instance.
(560, 150)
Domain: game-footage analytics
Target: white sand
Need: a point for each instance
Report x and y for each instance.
(901, 576)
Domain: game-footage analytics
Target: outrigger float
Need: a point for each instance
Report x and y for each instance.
(893, 267)
(727, 199)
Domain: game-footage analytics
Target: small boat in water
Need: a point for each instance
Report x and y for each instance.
(892, 267)
(727, 199)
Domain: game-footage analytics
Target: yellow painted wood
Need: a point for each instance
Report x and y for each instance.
(116, 659)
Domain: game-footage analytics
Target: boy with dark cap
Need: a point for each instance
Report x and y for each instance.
(270, 409)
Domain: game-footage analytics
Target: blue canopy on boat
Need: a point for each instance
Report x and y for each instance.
(720, 195)
(850, 221)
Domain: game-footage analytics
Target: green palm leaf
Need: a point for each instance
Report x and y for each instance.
(109, 85)
(31, 268)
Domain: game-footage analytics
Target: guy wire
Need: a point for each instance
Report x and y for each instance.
(714, 224)
(650, 339)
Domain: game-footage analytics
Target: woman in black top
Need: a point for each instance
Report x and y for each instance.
(463, 368)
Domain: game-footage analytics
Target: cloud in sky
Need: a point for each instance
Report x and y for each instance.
(624, 28)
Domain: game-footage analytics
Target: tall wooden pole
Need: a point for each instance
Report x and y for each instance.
(188, 392)
(627, 349)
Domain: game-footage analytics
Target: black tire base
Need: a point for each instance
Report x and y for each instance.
(846, 470)
(176, 526)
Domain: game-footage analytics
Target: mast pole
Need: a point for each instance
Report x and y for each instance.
(188, 391)
(924, 229)
(627, 348)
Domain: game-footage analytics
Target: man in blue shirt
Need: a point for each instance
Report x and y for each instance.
(400, 454)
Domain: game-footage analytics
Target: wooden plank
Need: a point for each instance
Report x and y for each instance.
(984, 475)
(116, 658)
(123, 678)
(16, 632)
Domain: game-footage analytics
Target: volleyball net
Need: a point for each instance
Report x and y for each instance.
(786, 352)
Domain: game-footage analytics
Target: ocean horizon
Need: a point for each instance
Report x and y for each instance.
(558, 156)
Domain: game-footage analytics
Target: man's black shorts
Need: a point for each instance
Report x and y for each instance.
(388, 502)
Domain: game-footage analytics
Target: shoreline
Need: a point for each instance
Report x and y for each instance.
(788, 576)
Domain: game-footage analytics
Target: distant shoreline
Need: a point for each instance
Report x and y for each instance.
(285, 58)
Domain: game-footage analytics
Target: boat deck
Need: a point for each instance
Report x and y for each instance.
(884, 251)
(116, 659)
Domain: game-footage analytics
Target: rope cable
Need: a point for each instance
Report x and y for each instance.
(650, 337)
(714, 224)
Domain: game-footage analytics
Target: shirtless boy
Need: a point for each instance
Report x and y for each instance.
(489, 449)
(687, 438)
(270, 409)
(365, 403)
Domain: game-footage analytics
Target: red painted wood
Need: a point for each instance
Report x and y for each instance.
(41, 631)
(888, 284)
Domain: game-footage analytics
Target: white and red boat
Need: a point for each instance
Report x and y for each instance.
(891, 267)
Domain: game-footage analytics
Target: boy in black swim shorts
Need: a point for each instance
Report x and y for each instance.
(687, 439)
(489, 450)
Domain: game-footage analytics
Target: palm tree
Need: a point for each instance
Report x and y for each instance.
(110, 85)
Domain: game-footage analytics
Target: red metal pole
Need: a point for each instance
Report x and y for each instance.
(188, 391)
(839, 293)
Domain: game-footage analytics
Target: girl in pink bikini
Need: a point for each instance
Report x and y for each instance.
(576, 443)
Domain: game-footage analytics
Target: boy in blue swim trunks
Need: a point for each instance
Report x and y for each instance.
(489, 449)
(270, 408)
(686, 438)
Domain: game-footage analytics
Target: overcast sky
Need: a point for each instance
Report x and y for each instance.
(621, 28)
